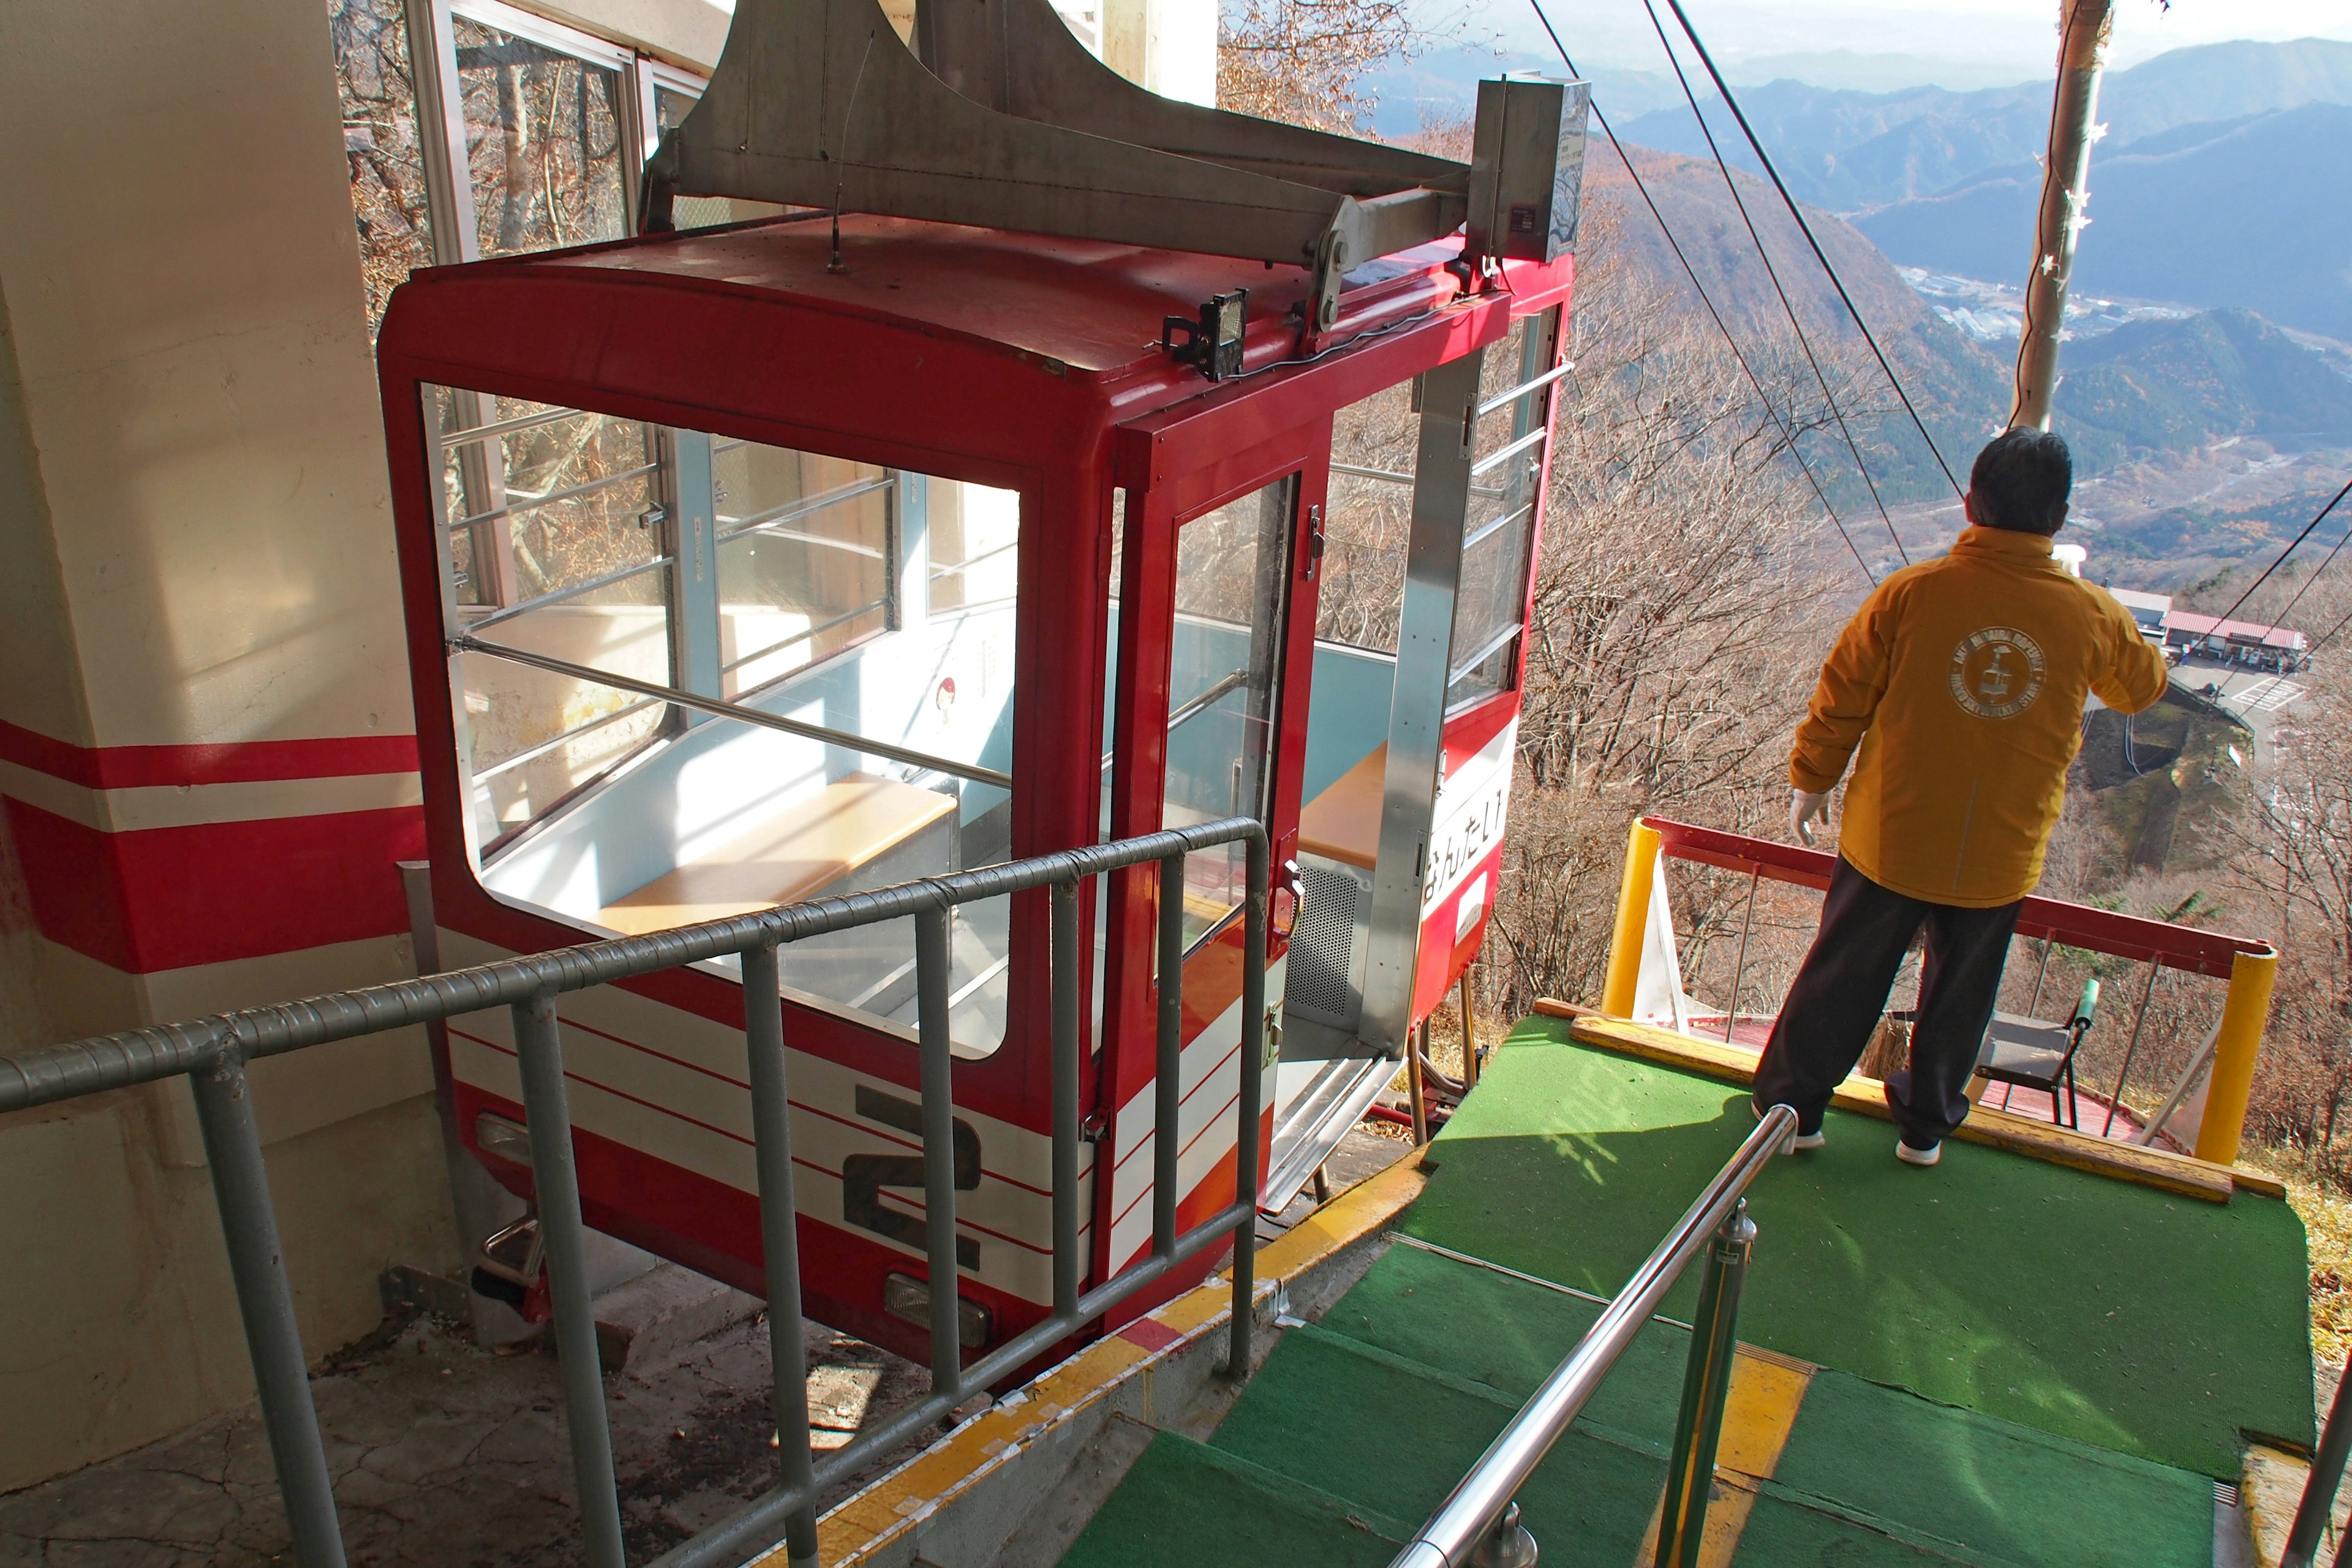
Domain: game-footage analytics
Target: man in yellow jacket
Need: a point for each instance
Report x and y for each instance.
(1962, 682)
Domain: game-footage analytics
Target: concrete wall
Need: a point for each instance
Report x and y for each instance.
(207, 752)
(205, 755)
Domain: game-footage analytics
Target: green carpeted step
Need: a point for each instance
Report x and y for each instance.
(1783, 1535)
(1391, 1434)
(1184, 1504)
(1937, 1475)
(1507, 1335)
(2092, 1309)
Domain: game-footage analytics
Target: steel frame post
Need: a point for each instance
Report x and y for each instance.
(266, 1302)
(1067, 1262)
(1448, 397)
(1167, 1073)
(1707, 1380)
(2318, 1504)
(1417, 1081)
(1469, 1031)
(772, 1133)
(1245, 1137)
(1739, 969)
(555, 1181)
(2131, 1048)
(931, 1028)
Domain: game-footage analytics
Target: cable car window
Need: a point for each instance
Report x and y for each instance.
(973, 531)
(1231, 570)
(806, 565)
(1367, 518)
(544, 147)
(1509, 447)
(597, 794)
(548, 516)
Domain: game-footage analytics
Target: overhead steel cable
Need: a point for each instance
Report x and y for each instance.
(1787, 305)
(1724, 88)
(2305, 586)
(2293, 545)
(1787, 436)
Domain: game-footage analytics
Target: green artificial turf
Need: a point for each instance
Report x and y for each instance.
(1781, 1535)
(2096, 1310)
(1184, 1504)
(1391, 1434)
(1955, 1480)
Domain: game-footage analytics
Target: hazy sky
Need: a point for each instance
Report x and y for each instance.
(1981, 36)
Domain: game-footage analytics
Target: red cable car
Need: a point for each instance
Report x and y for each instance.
(832, 550)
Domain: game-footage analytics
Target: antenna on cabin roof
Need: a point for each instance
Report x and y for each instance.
(1007, 122)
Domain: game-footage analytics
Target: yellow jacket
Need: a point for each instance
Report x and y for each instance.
(1963, 681)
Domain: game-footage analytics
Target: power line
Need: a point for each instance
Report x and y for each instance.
(2281, 558)
(1892, 379)
(2305, 586)
(1786, 435)
(1773, 273)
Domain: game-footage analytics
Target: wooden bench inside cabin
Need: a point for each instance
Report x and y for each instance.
(797, 854)
(1343, 823)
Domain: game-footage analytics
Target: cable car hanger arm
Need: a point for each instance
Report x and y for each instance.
(817, 103)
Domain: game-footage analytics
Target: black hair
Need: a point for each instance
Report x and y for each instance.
(2020, 481)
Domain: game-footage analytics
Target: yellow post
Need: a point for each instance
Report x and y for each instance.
(1632, 919)
(2235, 1050)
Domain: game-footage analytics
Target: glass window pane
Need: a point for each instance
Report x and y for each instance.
(699, 212)
(543, 145)
(1491, 601)
(972, 533)
(1230, 567)
(370, 38)
(805, 558)
(1367, 519)
(635, 814)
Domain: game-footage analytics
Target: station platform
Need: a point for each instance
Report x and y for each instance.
(1998, 1361)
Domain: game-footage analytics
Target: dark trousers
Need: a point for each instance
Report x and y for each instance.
(1840, 994)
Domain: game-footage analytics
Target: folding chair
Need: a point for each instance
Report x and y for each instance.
(2039, 1054)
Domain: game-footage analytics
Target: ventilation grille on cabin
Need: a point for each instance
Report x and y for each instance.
(1323, 943)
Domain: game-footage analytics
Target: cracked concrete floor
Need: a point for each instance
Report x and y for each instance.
(444, 1453)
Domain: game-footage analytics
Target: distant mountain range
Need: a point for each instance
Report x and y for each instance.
(2143, 389)
(1853, 150)
(2251, 212)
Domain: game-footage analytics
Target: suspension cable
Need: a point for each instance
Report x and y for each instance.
(1787, 306)
(1822, 256)
(1786, 435)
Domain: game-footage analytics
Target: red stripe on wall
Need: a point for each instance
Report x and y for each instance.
(235, 762)
(165, 898)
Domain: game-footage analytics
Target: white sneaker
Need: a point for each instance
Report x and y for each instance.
(1910, 1156)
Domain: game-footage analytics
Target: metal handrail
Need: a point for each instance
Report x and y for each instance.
(213, 1052)
(465, 641)
(1482, 1500)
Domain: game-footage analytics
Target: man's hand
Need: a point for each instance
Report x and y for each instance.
(1803, 807)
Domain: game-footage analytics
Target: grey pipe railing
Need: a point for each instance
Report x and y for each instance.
(1480, 1513)
(213, 1052)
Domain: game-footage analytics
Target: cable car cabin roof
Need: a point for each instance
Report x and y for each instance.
(924, 335)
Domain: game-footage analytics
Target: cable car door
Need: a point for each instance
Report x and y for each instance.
(1210, 644)
(1426, 539)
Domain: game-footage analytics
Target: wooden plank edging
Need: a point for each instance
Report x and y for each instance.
(2182, 1174)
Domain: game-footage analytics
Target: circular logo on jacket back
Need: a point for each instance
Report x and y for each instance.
(1997, 673)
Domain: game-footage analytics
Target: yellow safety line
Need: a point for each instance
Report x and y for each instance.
(1759, 1412)
(861, 1529)
(2181, 1174)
